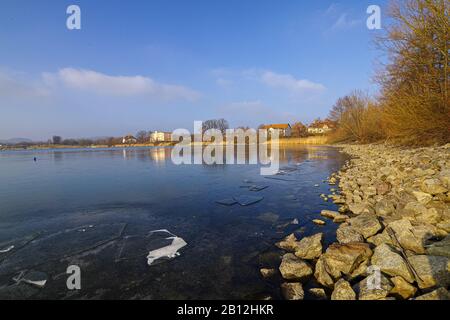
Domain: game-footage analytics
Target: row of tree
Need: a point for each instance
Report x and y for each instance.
(413, 106)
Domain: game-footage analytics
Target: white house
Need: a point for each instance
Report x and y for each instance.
(159, 136)
(129, 139)
(319, 129)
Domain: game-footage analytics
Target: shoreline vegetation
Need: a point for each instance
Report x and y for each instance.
(393, 237)
(311, 140)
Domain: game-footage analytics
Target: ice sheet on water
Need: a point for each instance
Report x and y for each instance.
(278, 178)
(7, 249)
(245, 200)
(35, 278)
(170, 251)
(255, 187)
(36, 250)
(156, 245)
(227, 202)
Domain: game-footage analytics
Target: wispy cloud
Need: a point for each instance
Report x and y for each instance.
(331, 9)
(344, 22)
(270, 79)
(103, 84)
(16, 85)
(289, 82)
(339, 19)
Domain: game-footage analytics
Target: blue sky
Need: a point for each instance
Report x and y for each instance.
(161, 64)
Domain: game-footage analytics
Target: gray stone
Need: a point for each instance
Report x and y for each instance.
(433, 271)
(438, 294)
(440, 248)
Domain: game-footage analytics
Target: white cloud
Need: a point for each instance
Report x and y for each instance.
(103, 84)
(289, 82)
(16, 85)
(331, 9)
(221, 82)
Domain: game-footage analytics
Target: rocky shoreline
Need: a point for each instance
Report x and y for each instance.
(393, 238)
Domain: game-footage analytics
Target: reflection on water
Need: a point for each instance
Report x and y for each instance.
(142, 189)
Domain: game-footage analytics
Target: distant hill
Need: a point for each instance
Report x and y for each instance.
(15, 141)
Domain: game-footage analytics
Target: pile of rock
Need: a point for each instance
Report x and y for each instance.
(393, 241)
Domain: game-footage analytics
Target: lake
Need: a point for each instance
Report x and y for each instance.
(94, 208)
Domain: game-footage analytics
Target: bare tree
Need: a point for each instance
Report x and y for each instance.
(142, 136)
(415, 80)
(299, 130)
(56, 140)
(219, 124)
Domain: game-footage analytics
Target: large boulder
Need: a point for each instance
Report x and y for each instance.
(292, 291)
(383, 188)
(370, 289)
(289, 243)
(294, 268)
(432, 186)
(345, 258)
(441, 248)
(321, 274)
(340, 218)
(343, 291)
(391, 263)
(347, 234)
(430, 216)
(329, 214)
(384, 207)
(402, 289)
(432, 271)
(408, 236)
(416, 208)
(444, 176)
(310, 248)
(318, 293)
(366, 224)
(380, 238)
(438, 294)
(422, 197)
(360, 208)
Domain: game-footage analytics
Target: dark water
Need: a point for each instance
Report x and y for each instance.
(76, 207)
